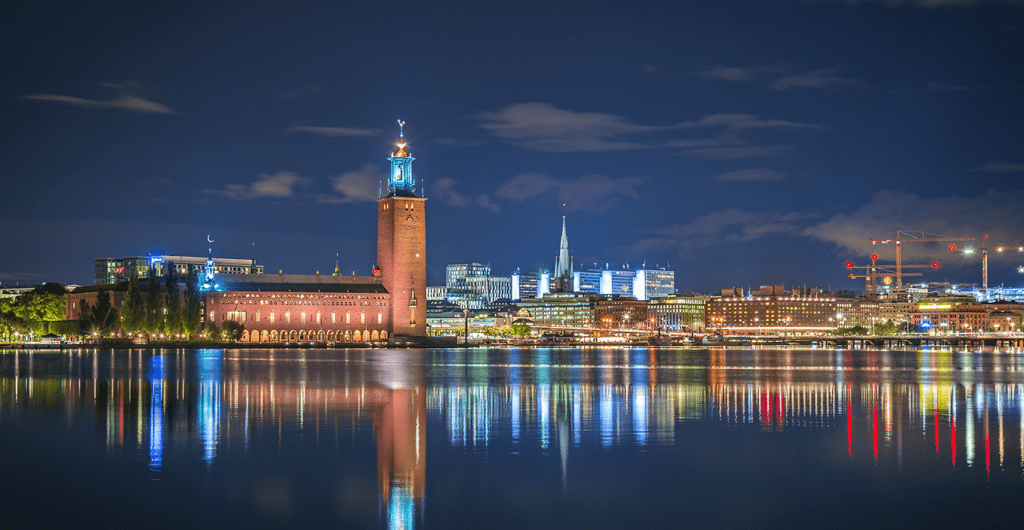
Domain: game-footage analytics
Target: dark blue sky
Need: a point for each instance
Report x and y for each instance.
(745, 143)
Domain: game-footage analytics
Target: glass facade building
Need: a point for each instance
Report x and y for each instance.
(116, 270)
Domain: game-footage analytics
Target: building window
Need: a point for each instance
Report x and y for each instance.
(348, 318)
(271, 317)
(362, 317)
(318, 317)
(380, 318)
(288, 317)
(303, 317)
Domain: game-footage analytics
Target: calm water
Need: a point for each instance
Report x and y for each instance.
(528, 438)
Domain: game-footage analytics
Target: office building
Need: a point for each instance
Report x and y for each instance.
(115, 270)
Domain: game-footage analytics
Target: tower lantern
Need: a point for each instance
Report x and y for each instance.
(401, 182)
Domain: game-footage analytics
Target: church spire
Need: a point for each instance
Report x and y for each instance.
(401, 181)
(562, 265)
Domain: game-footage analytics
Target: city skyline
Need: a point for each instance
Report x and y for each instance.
(746, 144)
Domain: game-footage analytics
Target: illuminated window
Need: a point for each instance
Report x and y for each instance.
(271, 317)
(288, 317)
(348, 318)
(302, 317)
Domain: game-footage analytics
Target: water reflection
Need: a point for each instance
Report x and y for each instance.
(949, 409)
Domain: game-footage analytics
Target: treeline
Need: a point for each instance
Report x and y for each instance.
(161, 311)
(889, 328)
(38, 312)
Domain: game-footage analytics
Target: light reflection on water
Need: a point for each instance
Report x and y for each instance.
(918, 414)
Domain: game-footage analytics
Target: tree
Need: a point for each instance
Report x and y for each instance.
(889, 328)
(41, 306)
(172, 321)
(132, 310)
(520, 330)
(9, 321)
(211, 331)
(232, 330)
(102, 317)
(192, 312)
(154, 322)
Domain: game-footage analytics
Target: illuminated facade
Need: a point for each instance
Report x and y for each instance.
(772, 314)
(621, 312)
(573, 310)
(944, 317)
(114, 270)
(529, 285)
(678, 312)
(307, 308)
(649, 284)
(471, 286)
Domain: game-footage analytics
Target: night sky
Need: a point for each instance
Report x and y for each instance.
(741, 142)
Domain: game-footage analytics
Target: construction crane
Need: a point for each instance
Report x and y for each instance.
(984, 259)
(871, 273)
(899, 249)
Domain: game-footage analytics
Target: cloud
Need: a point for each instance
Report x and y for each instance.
(733, 73)
(751, 175)
(484, 201)
(998, 214)
(945, 87)
(738, 122)
(443, 190)
(543, 127)
(361, 185)
(999, 167)
(333, 131)
(737, 152)
(816, 79)
(279, 185)
(589, 193)
(125, 100)
(727, 226)
(727, 145)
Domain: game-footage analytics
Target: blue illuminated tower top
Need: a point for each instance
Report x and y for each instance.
(401, 182)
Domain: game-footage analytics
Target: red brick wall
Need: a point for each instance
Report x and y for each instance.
(402, 258)
(262, 303)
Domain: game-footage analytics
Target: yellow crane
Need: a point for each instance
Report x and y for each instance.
(899, 240)
(871, 273)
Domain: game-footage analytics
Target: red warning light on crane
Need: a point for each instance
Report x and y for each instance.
(874, 256)
(849, 264)
(935, 264)
(952, 248)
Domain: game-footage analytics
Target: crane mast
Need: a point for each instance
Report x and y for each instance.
(899, 250)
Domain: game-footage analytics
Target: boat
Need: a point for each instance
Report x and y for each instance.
(659, 340)
(718, 340)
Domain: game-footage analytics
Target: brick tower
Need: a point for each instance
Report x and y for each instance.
(402, 245)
